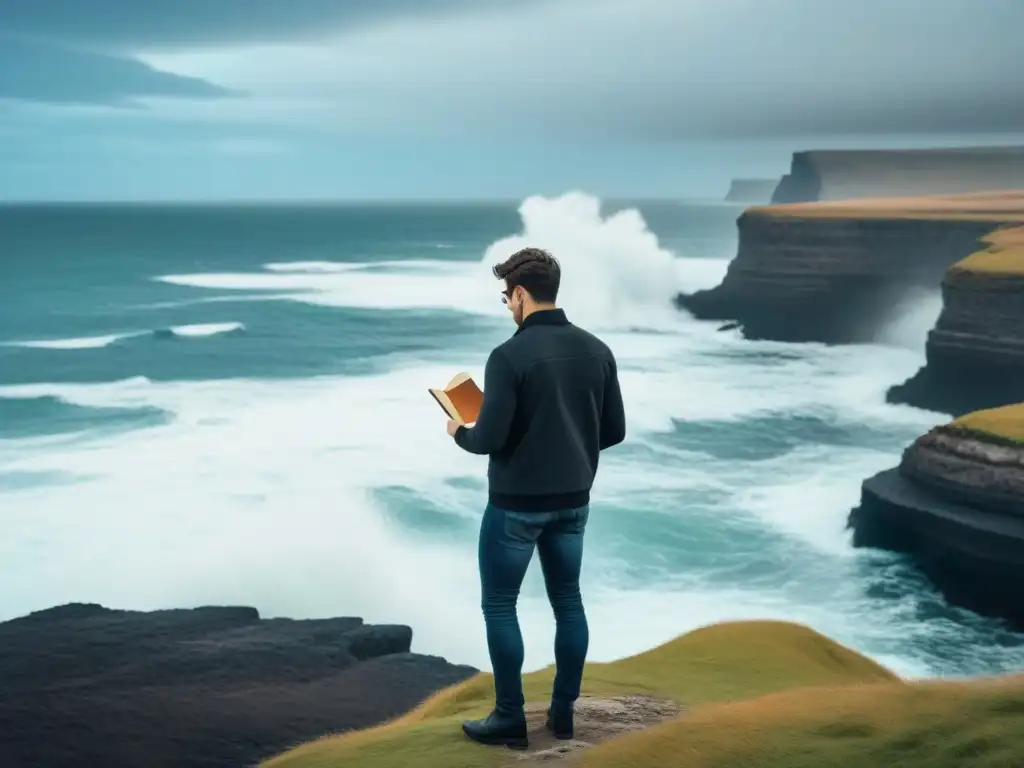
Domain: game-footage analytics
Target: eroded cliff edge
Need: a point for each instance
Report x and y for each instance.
(975, 353)
(848, 173)
(216, 687)
(835, 272)
(955, 504)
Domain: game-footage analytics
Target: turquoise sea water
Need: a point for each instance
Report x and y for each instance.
(227, 404)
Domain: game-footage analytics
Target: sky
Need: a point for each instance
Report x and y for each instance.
(338, 99)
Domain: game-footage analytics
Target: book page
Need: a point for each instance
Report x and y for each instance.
(467, 399)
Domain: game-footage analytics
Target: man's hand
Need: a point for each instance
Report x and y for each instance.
(453, 427)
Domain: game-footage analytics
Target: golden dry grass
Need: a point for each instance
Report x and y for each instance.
(1005, 423)
(977, 724)
(1004, 206)
(720, 663)
(1004, 255)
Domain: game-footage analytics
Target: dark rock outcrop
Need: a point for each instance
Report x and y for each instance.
(842, 174)
(83, 685)
(975, 353)
(955, 504)
(751, 191)
(836, 272)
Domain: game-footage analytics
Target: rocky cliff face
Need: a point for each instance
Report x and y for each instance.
(834, 272)
(975, 353)
(956, 505)
(844, 174)
(751, 191)
(81, 685)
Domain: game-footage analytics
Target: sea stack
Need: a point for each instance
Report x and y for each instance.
(955, 504)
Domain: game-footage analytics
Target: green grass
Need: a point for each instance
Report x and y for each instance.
(1004, 256)
(720, 663)
(1005, 423)
(922, 725)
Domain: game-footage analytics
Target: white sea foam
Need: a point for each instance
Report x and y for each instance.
(198, 330)
(311, 266)
(262, 493)
(82, 342)
(99, 342)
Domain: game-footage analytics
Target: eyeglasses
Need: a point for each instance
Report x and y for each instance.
(506, 295)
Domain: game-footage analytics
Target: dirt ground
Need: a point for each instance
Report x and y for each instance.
(596, 720)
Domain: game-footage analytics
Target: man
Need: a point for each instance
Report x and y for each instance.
(551, 404)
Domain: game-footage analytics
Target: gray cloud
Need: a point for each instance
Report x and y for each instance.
(570, 69)
(155, 23)
(36, 71)
(649, 69)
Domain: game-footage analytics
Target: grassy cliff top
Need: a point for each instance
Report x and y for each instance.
(1004, 206)
(1005, 423)
(1004, 256)
(719, 664)
(976, 724)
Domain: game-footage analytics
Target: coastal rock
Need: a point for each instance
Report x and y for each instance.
(751, 191)
(955, 504)
(837, 272)
(975, 353)
(851, 173)
(82, 684)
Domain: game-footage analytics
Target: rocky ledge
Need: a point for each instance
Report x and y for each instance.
(836, 272)
(751, 191)
(846, 173)
(83, 685)
(975, 353)
(955, 504)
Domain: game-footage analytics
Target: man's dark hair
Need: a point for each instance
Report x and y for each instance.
(535, 270)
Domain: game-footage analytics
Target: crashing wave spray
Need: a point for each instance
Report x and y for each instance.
(614, 271)
(911, 320)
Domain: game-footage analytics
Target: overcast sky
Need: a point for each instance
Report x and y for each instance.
(169, 99)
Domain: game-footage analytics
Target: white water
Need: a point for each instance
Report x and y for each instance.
(263, 492)
(81, 342)
(198, 330)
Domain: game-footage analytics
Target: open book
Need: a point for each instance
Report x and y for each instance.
(461, 398)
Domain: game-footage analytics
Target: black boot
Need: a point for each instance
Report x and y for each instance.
(560, 720)
(498, 729)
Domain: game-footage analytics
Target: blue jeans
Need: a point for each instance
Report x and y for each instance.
(507, 541)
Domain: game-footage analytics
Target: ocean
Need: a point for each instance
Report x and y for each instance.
(227, 404)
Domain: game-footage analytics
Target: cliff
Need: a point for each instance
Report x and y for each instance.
(82, 685)
(975, 353)
(850, 173)
(834, 271)
(955, 504)
(749, 693)
(751, 190)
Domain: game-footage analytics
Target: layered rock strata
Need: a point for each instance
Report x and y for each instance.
(955, 504)
(82, 685)
(837, 272)
(850, 173)
(975, 353)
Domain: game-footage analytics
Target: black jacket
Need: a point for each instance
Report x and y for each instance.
(551, 404)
